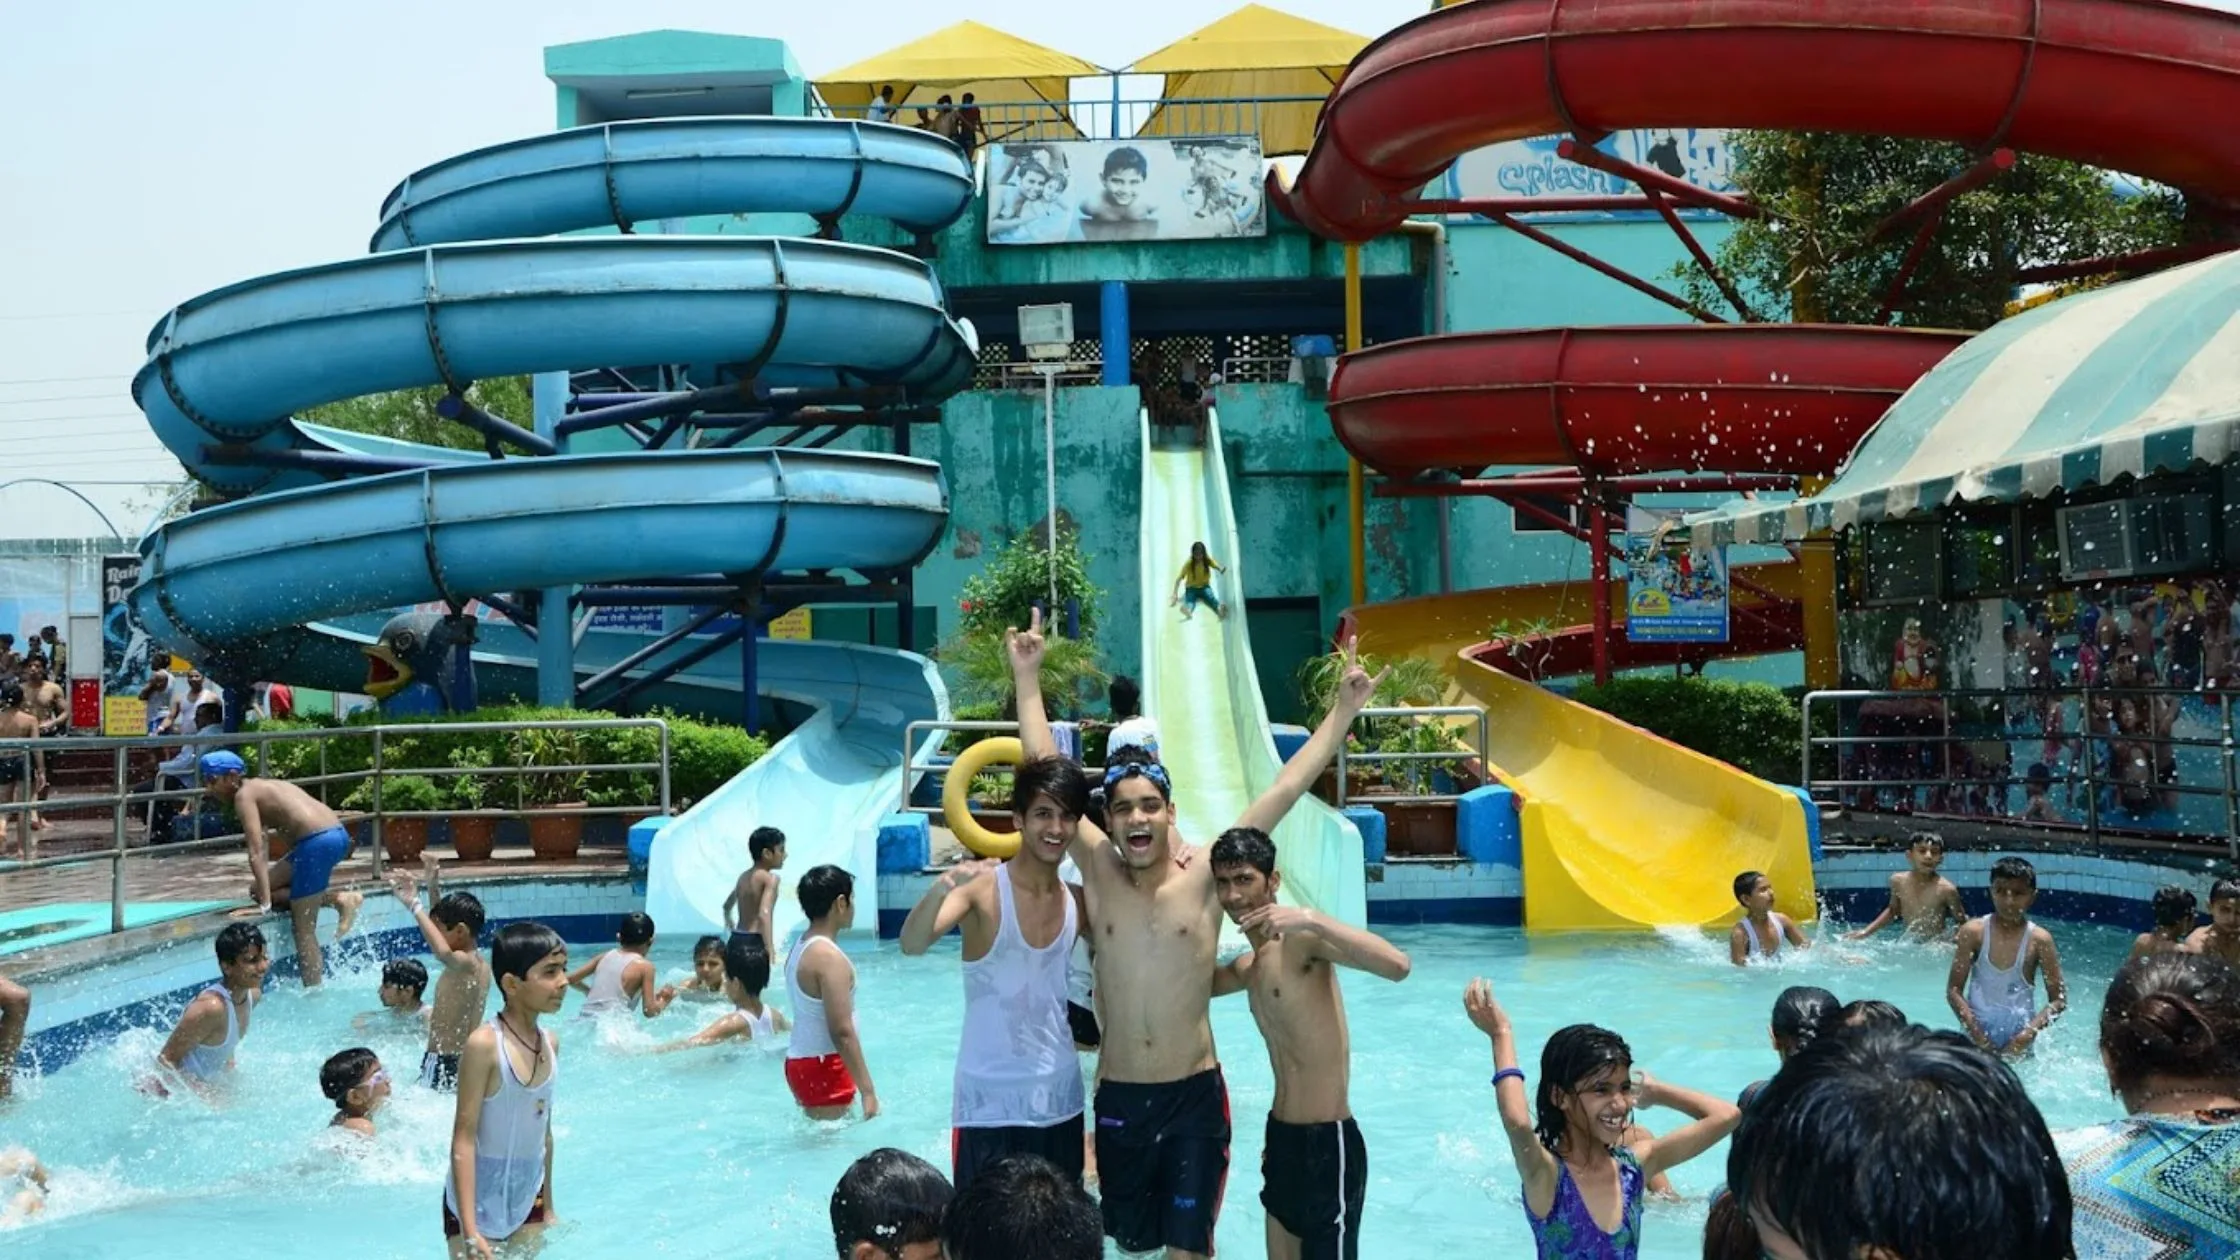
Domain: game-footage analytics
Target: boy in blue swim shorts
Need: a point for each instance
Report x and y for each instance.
(274, 809)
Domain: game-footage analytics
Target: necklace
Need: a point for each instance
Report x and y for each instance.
(536, 1049)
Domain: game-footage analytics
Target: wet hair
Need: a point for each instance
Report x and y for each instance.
(520, 947)
(1929, 838)
(1903, 1142)
(1801, 1013)
(11, 694)
(1727, 1232)
(1125, 697)
(1869, 1013)
(1125, 158)
(1060, 778)
(1133, 762)
(821, 888)
(2174, 905)
(1245, 846)
(748, 963)
(1573, 1054)
(2014, 868)
(890, 1199)
(636, 929)
(405, 973)
(236, 940)
(2172, 1014)
(1746, 882)
(707, 946)
(2224, 890)
(762, 840)
(459, 909)
(1022, 1205)
(345, 1071)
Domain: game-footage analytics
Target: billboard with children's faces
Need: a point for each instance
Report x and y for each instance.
(1055, 192)
(2104, 702)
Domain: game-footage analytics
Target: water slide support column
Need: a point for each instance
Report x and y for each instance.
(556, 640)
(750, 609)
(906, 602)
(1817, 558)
(1357, 562)
(1598, 546)
(1113, 332)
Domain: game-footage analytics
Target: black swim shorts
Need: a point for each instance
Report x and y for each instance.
(971, 1150)
(440, 1072)
(1315, 1176)
(1083, 1022)
(1163, 1160)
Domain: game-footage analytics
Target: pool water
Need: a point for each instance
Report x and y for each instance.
(703, 1154)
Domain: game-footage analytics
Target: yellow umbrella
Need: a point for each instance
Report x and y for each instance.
(1022, 88)
(1231, 77)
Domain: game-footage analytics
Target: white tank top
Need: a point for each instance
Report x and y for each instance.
(1996, 991)
(509, 1144)
(812, 1036)
(208, 1063)
(1760, 949)
(1017, 1064)
(763, 1026)
(606, 984)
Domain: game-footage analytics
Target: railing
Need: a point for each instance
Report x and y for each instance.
(1257, 370)
(256, 747)
(1430, 740)
(1003, 122)
(1028, 376)
(1931, 758)
(915, 743)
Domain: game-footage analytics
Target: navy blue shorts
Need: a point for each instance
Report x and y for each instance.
(311, 863)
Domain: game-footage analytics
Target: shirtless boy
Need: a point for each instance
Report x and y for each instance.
(463, 990)
(745, 973)
(1925, 901)
(2175, 913)
(1162, 1134)
(1018, 1082)
(1996, 963)
(200, 1049)
(320, 844)
(2222, 934)
(1314, 1166)
(746, 912)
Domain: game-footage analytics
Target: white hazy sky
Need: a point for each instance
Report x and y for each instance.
(152, 150)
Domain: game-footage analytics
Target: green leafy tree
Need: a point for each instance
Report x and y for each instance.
(1824, 193)
(410, 415)
(1006, 589)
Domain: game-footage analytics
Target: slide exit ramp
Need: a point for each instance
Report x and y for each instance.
(1200, 685)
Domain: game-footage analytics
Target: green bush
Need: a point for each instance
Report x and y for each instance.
(1003, 593)
(1746, 724)
(702, 756)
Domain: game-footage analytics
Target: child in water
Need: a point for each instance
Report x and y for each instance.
(355, 1082)
(1761, 931)
(1583, 1185)
(2175, 912)
(1925, 901)
(1194, 585)
(500, 1186)
(746, 974)
(706, 984)
(2221, 937)
(1995, 966)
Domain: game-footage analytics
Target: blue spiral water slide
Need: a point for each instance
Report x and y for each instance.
(467, 283)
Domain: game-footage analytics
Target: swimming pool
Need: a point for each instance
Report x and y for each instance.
(704, 1155)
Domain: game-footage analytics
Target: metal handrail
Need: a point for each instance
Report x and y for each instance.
(1099, 119)
(1442, 712)
(121, 801)
(2091, 741)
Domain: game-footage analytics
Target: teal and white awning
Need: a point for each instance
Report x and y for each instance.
(2132, 379)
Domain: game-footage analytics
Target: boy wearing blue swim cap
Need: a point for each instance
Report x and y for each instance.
(312, 844)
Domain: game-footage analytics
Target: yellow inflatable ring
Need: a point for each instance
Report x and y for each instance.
(956, 791)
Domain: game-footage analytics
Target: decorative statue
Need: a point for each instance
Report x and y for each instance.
(423, 662)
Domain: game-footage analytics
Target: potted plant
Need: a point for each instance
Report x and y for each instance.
(474, 830)
(403, 839)
(990, 799)
(555, 836)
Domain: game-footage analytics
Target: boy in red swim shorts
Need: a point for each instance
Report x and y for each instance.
(824, 1056)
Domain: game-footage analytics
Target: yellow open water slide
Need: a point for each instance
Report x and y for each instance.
(1200, 686)
(1622, 830)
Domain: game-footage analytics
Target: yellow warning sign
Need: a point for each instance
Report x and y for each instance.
(124, 715)
(793, 625)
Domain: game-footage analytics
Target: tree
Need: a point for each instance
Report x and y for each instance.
(1824, 192)
(410, 415)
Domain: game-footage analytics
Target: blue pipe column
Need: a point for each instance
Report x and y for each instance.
(750, 681)
(556, 638)
(1112, 308)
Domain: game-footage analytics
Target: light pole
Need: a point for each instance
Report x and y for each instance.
(1046, 332)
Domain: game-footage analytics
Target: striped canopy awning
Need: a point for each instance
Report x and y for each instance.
(2128, 380)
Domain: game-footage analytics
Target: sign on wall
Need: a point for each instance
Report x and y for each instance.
(1053, 192)
(125, 650)
(1532, 169)
(1674, 594)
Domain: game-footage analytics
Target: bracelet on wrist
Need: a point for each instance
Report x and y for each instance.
(1505, 1074)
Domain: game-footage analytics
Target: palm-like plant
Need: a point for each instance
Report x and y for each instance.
(981, 668)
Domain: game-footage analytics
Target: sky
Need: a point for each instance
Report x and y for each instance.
(155, 150)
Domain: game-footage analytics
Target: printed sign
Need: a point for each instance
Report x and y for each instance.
(793, 625)
(127, 656)
(633, 618)
(1053, 192)
(1675, 594)
(124, 715)
(1532, 169)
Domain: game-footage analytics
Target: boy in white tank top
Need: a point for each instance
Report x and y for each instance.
(500, 1186)
(1997, 1000)
(199, 1051)
(746, 973)
(624, 977)
(1018, 1081)
(825, 1067)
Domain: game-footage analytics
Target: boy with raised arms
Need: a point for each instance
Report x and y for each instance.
(463, 990)
(1162, 1130)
